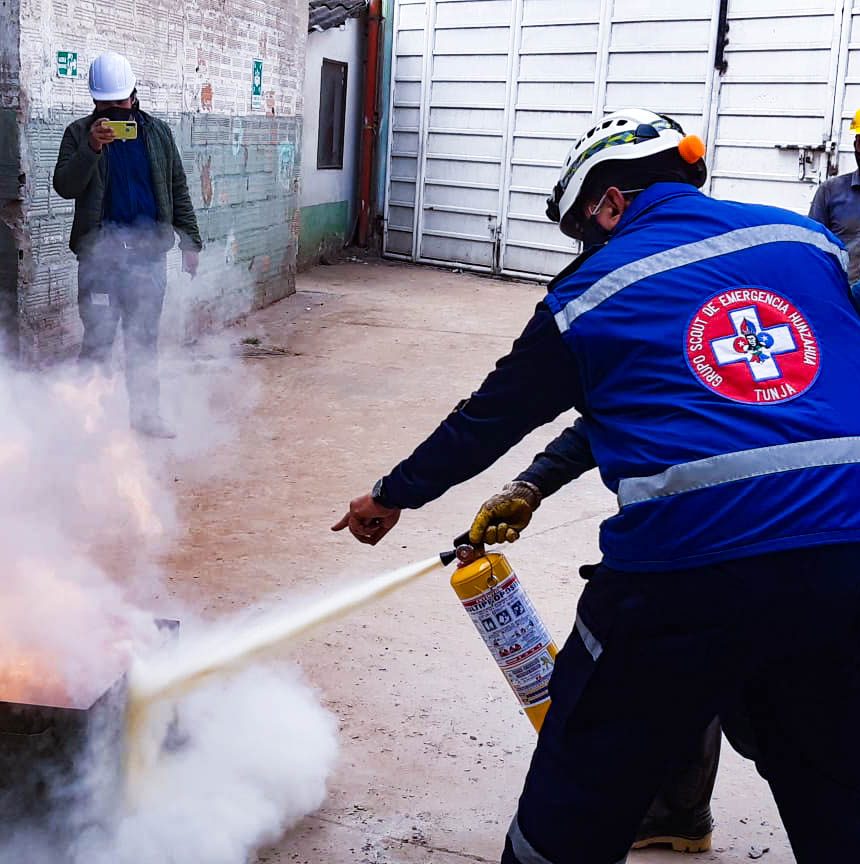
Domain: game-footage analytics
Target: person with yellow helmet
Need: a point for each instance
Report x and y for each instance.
(706, 346)
(836, 205)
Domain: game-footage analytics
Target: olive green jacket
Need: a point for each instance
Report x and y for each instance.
(81, 174)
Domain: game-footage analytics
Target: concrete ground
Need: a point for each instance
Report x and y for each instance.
(434, 749)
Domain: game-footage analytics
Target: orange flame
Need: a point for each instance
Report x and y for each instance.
(33, 679)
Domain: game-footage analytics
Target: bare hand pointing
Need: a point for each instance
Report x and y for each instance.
(368, 521)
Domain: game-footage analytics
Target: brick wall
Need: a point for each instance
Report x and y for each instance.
(193, 60)
(10, 168)
(9, 54)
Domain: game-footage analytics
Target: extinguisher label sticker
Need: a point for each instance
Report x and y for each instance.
(517, 638)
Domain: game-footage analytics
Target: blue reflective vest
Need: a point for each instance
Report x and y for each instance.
(720, 361)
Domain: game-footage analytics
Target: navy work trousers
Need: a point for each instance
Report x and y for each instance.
(770, 644)
(132, 292)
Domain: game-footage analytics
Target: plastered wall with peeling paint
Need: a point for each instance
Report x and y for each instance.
(329, 197)
(194, 63)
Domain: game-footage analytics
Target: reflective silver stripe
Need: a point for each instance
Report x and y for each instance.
(589, 639)
(741, 465)
(680, 256)
(526, 853)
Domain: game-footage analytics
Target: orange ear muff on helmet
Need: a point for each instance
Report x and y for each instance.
(691, 148)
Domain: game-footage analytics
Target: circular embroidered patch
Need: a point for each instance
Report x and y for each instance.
(752, 345)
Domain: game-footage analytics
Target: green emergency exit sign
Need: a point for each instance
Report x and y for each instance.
(257, 84)
(67, 64)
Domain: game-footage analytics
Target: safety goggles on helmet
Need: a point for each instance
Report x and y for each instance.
(643, 132)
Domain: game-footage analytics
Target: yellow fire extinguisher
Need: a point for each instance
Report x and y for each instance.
(495, 600)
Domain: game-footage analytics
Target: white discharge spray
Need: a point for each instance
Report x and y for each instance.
(177, 671)
(199, 663)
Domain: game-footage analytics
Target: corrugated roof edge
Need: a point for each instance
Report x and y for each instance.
(325, 14)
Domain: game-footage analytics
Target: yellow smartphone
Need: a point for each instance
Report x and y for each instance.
(124, 130)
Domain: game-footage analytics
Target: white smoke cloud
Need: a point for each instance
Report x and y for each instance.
(73, 484)
(259, 750)
(86, 509)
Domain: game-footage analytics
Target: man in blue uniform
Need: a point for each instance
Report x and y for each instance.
(707, 347)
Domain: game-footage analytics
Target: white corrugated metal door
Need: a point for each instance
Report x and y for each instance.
(575, 62)
(847, 91)
(661, 56)
(463, 134)
(449, 102)
(551, 105)
(405, 109)
(488, 96)
(774, 105)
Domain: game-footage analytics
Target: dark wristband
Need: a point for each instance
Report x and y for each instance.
(378, 495)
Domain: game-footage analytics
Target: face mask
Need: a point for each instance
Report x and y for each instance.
(115, 113)
(593, 233)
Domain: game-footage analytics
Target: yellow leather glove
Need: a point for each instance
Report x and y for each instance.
(503, 517)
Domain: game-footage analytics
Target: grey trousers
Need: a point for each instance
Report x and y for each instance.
(130, 292)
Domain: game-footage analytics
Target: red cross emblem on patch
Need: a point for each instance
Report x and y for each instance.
(752, 345)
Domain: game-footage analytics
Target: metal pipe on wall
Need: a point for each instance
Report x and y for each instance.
(369, 121)
(383, 138)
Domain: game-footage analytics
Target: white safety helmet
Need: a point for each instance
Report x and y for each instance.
(631, 135)
(111, 78)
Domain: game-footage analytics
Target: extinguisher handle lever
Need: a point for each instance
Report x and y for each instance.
(462, 540)
(448, 557)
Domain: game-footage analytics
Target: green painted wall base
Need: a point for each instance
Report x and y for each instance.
(323, 232)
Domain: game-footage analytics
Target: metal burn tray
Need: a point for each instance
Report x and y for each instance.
(61, 766)
(60, 762)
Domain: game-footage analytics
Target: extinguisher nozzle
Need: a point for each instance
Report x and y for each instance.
(448, 557)
(463, 551)
(455, 554)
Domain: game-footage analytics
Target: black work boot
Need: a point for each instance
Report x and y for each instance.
(680, 817)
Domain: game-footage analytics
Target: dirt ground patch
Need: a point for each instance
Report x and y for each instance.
(369, 357)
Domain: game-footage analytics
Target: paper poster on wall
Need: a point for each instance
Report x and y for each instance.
(257, 85)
